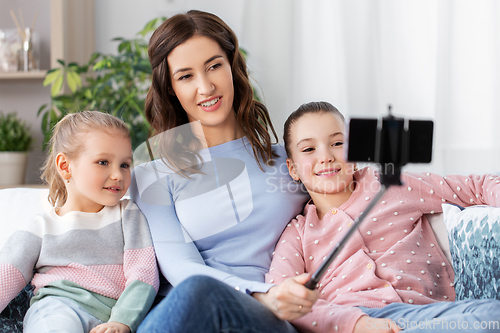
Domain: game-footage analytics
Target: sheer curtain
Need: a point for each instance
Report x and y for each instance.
(429, 59)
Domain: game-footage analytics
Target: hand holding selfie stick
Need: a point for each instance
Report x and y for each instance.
(396, 143)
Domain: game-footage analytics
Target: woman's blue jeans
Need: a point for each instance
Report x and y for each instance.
(204, 305)
(476, 315)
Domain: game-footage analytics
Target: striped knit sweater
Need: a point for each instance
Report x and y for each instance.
(104, 261)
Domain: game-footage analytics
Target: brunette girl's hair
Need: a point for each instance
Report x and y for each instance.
(164, 111)
(67, 138)
(311, 107)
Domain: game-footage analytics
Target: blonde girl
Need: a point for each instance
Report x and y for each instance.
(90, 258)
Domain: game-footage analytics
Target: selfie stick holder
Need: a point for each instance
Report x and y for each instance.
(390, 153)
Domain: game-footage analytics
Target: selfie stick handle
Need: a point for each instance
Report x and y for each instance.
(318, 274)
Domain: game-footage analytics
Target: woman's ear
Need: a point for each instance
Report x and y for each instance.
(63, 167)
(292, 170)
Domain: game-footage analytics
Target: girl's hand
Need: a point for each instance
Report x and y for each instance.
(290, 299)
(367, 324)
(111, 327)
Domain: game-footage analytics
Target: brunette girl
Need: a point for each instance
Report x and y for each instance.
(391, 275)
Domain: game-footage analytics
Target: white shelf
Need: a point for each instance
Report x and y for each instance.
(37, 75)
(72, 36)
(2, 187)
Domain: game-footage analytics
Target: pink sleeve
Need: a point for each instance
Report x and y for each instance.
(139, 258)
(140, 264)
(428, 191)
(11, 283)
(288, 257)
(288, 261)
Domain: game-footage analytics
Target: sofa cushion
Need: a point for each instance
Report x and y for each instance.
(474, 237)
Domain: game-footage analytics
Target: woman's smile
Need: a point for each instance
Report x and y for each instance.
(210, 105)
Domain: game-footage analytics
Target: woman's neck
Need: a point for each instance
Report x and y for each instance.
(325, 202)
(216, 136)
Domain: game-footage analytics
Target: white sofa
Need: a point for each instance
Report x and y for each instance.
(20, 203)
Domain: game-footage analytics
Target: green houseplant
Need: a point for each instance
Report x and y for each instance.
(15, 141)
(117, 84)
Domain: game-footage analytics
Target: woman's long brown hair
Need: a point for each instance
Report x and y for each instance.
(164, 111)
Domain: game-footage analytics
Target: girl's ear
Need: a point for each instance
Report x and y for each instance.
(62, 164)
(291, 170)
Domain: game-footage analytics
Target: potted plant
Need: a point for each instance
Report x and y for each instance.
(15, 141)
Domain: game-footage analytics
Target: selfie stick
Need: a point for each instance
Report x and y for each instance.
(318, 274)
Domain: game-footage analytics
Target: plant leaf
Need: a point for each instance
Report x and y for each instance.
(74, 80)
(51, 76)
(125, 46)
(99, 64)
(57, 86)
(94, 57)
(41, 109)
(151, 26)
(88, 94)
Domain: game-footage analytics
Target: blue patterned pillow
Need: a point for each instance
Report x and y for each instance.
(474, 235)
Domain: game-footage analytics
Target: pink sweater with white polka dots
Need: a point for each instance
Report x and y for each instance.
(392, 257)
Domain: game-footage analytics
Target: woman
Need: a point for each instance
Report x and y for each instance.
(220, 196)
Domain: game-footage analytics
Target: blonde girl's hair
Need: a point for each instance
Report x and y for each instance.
(67, 138)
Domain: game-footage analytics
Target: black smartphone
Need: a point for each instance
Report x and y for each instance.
(389, 140)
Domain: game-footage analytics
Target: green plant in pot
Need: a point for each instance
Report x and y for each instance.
(15, 141)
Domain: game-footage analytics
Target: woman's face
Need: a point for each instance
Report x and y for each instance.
(317, 154)
(202, 81)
